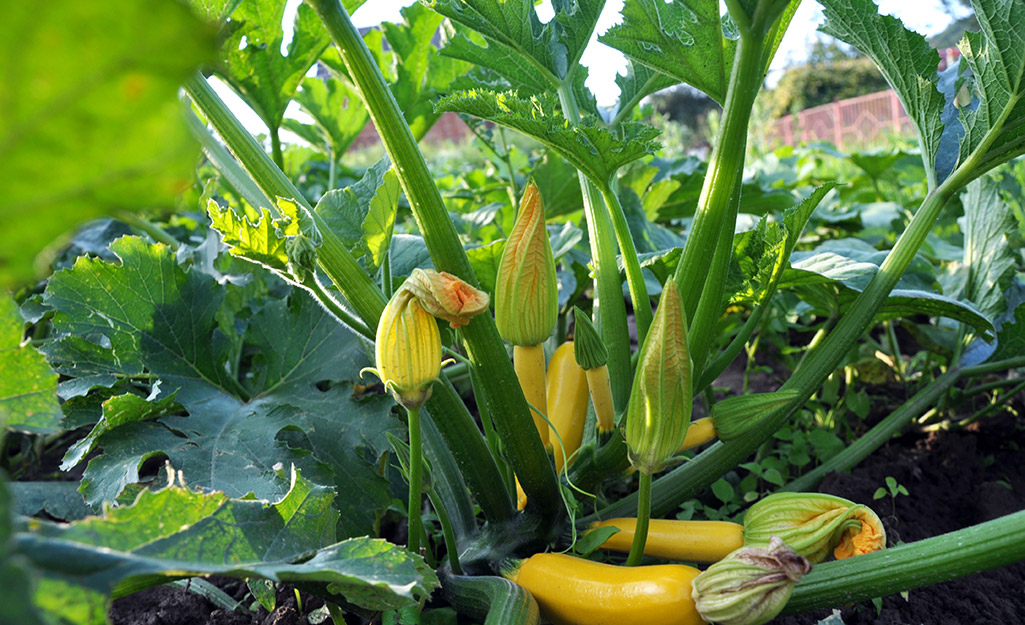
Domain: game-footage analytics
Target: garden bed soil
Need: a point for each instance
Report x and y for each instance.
(954, 479)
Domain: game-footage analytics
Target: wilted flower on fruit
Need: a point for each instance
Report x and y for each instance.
(526, 291)
(750, 586)
(658, 413)
(447, 297)
(814, 525)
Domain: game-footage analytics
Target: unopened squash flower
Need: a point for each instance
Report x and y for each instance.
(407, 350)
(658, 413)
(750, 586)
(527, 301)
(814, 525)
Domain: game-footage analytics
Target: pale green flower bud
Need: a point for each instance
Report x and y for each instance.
(526, 290)
(750, 586)
(658, 413)
(815, 525)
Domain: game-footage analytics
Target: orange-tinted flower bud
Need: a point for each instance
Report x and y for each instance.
(526, 291)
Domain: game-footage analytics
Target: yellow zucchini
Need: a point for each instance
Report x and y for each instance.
(567, 403)
(700, 432)
(689, 541)
(574, 591)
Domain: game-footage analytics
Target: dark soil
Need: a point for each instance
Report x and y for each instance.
(955, 479)
(175, 605)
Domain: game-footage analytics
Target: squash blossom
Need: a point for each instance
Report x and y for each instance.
(658, 414)
(527, 301)
(446, 297)
(750, 586)
(814, 525)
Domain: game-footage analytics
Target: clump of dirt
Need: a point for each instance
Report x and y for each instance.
(954, 479)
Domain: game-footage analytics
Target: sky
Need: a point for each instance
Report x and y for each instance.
(603, 63)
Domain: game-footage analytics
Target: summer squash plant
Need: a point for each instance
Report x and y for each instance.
(215, 371)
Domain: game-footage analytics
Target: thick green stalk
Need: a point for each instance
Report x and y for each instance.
(725, 165)
(939, 559)
(416, 463)
(491, 599)
(610, 309)
(457, 427)
(701, 330)
(628, 252)
(643, 515)
(484, 345)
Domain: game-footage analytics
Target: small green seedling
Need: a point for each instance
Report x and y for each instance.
(892, 489)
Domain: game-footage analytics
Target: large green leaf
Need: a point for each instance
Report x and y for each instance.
(148, 316)
(143, 315)
(363, 214)
(989, 254)
(176, 533)
(638, 82)
(28, 387)
(263, 241)
(996, 56)
(91, 123)
(761, 255)
(590, 148)
(682, 39)
(338, 113)
(687, 40)
(254, 65)
(517, 43)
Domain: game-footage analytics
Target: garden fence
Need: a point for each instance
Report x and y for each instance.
(855, 121)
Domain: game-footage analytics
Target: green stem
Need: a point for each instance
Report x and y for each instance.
(627, 251)
(335, 307)
(643, 514)
(490, 599)
(939, 559)
(723, 360)
(154, 231)
(483, 343)
(448, 485)
(609, 308)
(724, 167)
(275, 146)
(701, 327)
(415, 480)
(995, 406)
(332, 169)
(451, 544)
